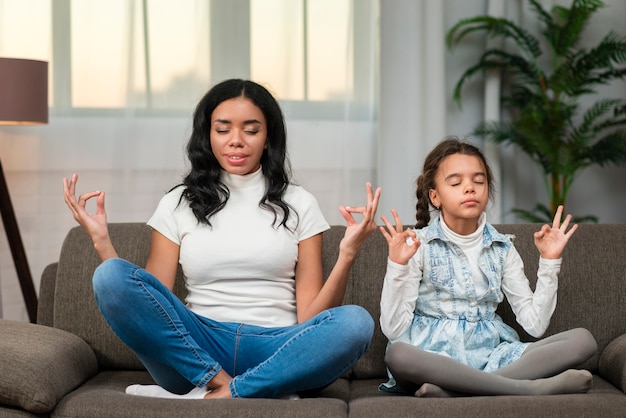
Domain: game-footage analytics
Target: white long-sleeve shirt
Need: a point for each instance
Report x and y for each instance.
(533, 310)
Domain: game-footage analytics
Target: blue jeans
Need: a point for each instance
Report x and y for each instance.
(182, 350)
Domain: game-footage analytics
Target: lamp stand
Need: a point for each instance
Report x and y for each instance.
(17, 249)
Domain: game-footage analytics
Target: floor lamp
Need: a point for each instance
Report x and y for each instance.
(23, 101)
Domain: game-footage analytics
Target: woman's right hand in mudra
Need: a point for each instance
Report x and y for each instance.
(94, 224)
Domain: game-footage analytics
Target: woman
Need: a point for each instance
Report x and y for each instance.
(258, 316)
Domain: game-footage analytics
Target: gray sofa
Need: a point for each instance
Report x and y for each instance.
(70, 364)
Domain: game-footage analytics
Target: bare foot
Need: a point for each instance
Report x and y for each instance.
(428, 390)
(570, 381)
(219, 386)
(223, 392)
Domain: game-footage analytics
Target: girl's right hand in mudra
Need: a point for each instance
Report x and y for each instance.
(403, 244)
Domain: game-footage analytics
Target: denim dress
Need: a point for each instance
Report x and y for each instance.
(450, 318)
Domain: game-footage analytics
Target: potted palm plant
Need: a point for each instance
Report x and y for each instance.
(542, 96)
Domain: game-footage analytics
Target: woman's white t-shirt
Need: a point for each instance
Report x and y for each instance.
(242, 268)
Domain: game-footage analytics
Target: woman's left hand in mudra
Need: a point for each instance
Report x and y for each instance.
(357, 232)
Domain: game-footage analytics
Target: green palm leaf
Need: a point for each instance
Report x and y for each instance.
(497, 59)
(574, 20)
(592, 114)
(609, 149)
(494, 27)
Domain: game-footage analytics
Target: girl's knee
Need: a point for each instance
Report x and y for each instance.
(400, 358)
(395, 355)
(586, 341)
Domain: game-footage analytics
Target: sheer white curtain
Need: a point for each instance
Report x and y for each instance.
(418, 75)
(413, 98)
(126, 75)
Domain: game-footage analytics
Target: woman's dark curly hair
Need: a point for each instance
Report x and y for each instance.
(204, 191)
(426, 181)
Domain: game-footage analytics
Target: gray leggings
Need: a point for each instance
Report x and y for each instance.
(544, 368)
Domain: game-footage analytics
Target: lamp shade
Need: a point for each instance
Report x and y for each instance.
(23, 91)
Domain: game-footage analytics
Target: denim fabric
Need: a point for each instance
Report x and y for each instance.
(447, 274)
(450, 317)
(182, 349)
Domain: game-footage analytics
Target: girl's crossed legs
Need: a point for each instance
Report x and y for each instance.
(544, 368)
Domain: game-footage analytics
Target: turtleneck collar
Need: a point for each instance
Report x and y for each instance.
(473, 238)
(238, 181)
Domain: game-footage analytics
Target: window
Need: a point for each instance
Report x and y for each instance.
(155, 56)
(302, 48)
(25, 28)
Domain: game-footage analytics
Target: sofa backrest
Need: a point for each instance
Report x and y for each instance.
(591, 284)
(75, 308)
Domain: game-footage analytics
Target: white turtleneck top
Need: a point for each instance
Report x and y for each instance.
(471, 245)
(242, 268)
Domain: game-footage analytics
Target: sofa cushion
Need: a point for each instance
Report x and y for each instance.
(96, 398)
(603, 400)
(40, 365)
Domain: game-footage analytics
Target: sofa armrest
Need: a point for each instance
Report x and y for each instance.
(45, 308)
(612, 364)
(40, 365)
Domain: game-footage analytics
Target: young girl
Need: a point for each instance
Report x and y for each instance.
(258, 316)
(445, 280)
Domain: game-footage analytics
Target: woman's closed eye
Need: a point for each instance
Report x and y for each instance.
(222, 128)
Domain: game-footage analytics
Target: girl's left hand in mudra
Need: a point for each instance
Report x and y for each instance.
(550, 241)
